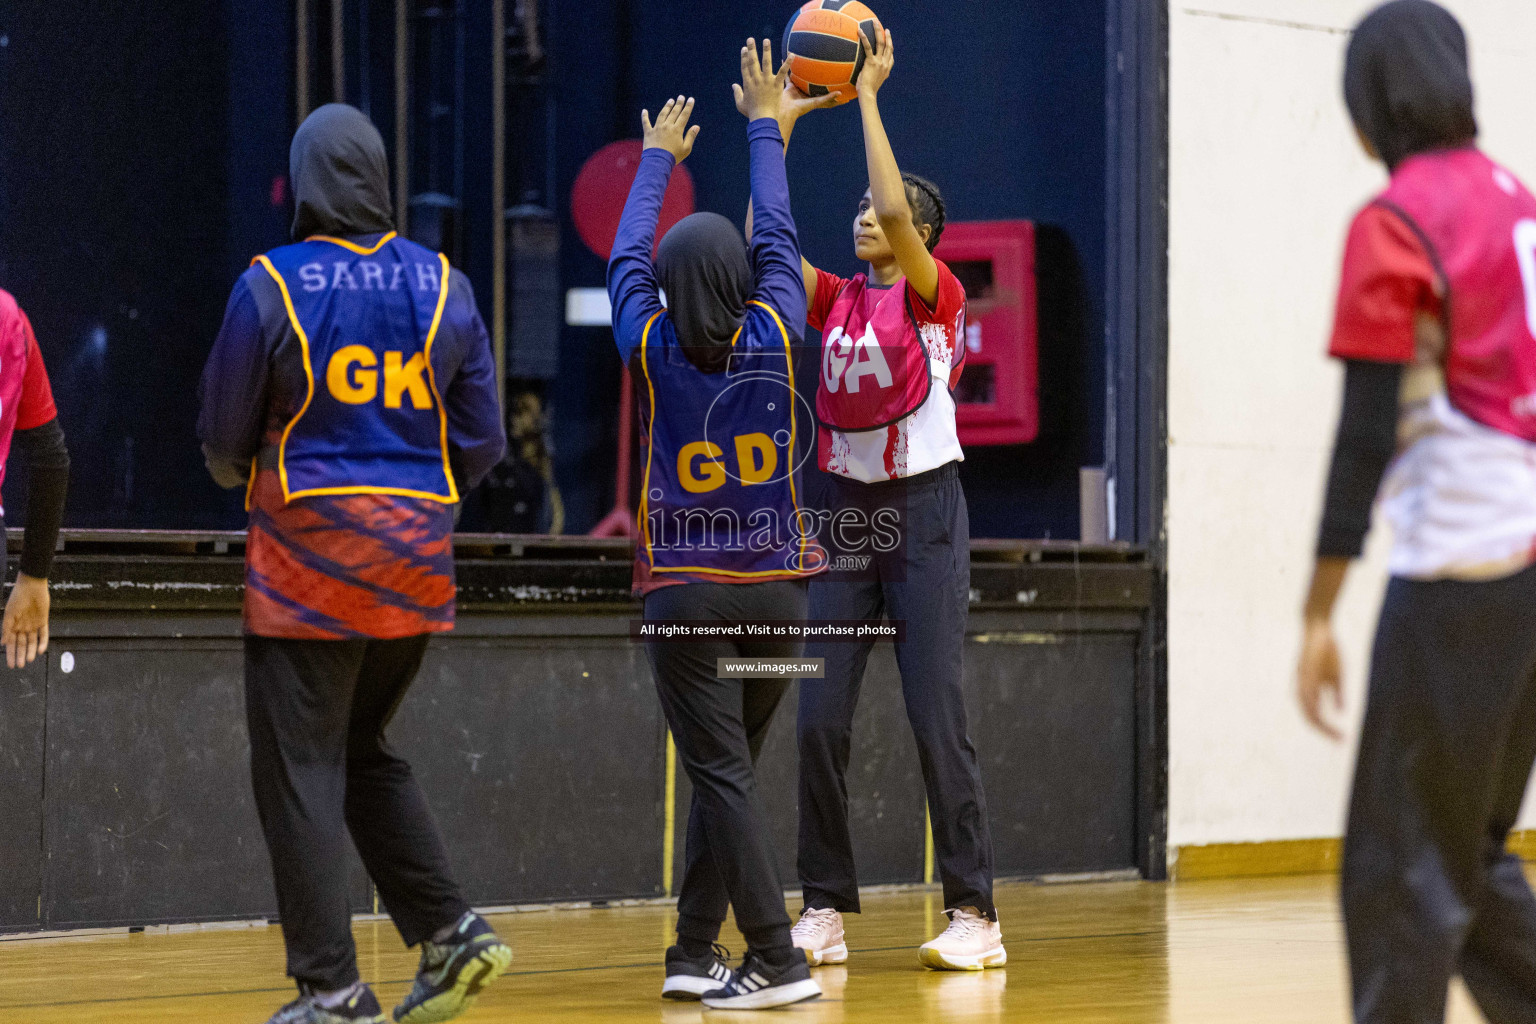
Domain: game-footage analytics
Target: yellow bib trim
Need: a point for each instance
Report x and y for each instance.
(650, 451)
(353, 246)
(309, 377)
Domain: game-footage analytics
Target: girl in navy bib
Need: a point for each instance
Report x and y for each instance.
(722, 542)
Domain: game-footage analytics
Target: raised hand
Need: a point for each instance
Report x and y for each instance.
(671, 131)
(761, 92)
(877, 64)
(797, 104)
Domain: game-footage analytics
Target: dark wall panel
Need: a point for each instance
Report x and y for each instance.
(538, 739)
(113, 237)
(22, 704)
(885, 787)
(150, 814)
(542, 763)
(1053, 718)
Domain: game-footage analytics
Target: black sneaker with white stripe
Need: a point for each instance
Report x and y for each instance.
(689, 977)
(756, 986)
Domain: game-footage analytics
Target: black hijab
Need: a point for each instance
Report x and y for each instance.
(340, 175)
(1407, 82)
(703, 268)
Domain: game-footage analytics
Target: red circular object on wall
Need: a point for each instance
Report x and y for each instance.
(597, 197)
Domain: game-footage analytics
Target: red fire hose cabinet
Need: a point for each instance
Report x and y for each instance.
(998, 397)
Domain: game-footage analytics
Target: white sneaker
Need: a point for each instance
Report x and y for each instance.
(820, 934)
(970, 943)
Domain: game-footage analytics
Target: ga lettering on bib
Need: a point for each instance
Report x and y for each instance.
(878, 355)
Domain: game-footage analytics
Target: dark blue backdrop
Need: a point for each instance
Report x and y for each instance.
(153, 135)
(1000, 102)
(113, 194)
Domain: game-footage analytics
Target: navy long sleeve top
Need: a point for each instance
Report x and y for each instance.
(775, 247)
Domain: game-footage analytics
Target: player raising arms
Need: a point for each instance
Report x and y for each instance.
(889, 441)
(1436, 326)
(718, 412)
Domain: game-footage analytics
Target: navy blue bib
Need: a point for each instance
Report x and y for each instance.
(372, 421)
(720, 485)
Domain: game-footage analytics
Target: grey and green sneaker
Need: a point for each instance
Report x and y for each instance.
(359, 1007)
(452, 973)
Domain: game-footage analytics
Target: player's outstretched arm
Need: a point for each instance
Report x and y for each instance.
(671, 131)
(778, 267)
(632, 285)
(760, 93)
(886, 189)
(792, 105)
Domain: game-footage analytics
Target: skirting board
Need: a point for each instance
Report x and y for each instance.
(1282, 857)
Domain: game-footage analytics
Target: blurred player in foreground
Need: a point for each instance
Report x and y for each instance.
(353, 392)
(29, 422)
(1436, 326)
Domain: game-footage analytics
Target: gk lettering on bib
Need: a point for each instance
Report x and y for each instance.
(372, 421)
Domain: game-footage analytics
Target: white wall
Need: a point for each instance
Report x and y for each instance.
(1265, 176)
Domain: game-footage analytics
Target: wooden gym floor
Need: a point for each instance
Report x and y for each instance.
(1250, 950)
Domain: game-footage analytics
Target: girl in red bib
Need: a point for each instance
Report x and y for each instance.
(1436, 327)
(892, 349)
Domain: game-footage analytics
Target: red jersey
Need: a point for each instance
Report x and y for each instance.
(1452, 241)
(335, 567)
(1453, 235)
(883, 352)
(26, 399)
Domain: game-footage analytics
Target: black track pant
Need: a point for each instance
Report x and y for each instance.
(1446, 749)
(321, 768)
(719, 726)
(924, 581)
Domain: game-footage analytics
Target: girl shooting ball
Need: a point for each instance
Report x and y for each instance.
(891, 353)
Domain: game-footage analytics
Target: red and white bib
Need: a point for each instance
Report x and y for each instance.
(881, 416)
(1453, 240)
